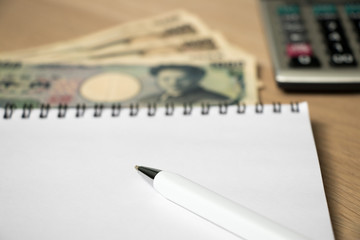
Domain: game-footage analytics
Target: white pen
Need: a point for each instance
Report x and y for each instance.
(217, 209)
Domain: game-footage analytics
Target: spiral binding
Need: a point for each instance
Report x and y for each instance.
(169, 109)
(116, 109)
(44, 110)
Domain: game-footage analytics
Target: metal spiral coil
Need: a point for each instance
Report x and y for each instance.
(134, 108)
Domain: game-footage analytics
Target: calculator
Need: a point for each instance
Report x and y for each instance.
(314, 45)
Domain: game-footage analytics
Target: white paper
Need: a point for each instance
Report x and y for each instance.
(75, 179)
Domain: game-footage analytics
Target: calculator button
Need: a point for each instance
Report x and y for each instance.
(342, 60)
(338, 47)
(288, 9)
(335, 37)
(298, 49)
(329, 26)
(296, 38)
(352, 10)
(321, 9)
(290, 17)
(293, 26)
(325, 11)
(304, 61)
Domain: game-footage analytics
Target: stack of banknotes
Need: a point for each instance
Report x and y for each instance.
(171, 58)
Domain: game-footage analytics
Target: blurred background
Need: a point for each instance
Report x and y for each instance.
(335, 116)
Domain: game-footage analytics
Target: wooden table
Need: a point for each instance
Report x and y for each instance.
(335, 116)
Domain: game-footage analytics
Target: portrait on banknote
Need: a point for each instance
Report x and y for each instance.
(180, 83)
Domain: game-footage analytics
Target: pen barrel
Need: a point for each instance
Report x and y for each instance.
(219, 210)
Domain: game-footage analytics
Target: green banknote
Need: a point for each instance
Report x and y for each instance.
(123, 84)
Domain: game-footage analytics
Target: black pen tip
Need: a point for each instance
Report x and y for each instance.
(150, 172)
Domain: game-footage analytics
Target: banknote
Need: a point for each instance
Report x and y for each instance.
(227, 53)
(170, 46)
(208, 47)
(173, 24)
(172, 57)
(154, 82)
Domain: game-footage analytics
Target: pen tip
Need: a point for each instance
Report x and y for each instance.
(136, 167)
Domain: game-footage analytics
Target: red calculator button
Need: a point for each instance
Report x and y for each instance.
(297, 49)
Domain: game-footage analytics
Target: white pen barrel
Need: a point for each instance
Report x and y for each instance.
(221, 211)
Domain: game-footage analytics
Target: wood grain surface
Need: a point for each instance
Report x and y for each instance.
(335, 117)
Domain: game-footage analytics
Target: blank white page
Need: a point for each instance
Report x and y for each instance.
(74, 178)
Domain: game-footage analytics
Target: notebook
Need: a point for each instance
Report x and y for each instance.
(72, 176)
